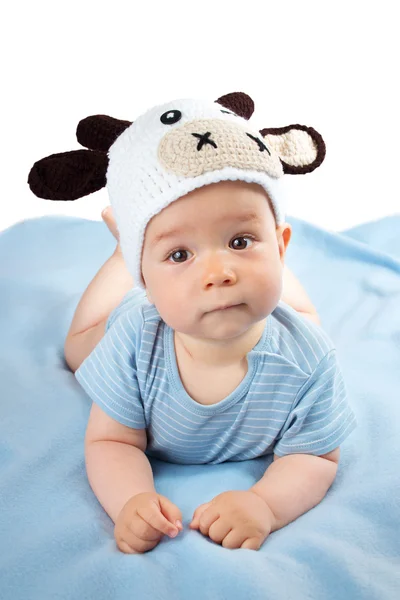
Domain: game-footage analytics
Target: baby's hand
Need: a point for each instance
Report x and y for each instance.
(235, 519)
(143, 521)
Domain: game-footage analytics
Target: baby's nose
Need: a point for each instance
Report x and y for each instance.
(219, 272)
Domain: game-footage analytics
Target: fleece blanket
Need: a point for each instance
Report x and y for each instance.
(56, 541)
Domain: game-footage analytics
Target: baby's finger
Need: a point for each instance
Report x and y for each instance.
(253, 543)
(153, 516)
(131, 544)
(170, 511)
(142, 530)
(234, 539)
(210, 520)
(125, 547)
(197, 514)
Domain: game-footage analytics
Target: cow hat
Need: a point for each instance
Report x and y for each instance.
(169, 151)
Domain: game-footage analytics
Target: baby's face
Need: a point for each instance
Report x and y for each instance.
(225, 250)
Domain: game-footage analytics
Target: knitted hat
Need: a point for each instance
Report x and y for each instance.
(169, 151)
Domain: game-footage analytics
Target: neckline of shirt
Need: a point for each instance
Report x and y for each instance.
(253, 358)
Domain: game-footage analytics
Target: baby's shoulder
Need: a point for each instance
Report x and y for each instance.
(135, 306)
(134, 321)
(297, 339)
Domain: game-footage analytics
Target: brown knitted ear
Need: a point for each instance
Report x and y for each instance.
(69, 175)
(301, 149)
(99, 132)
(239, 102)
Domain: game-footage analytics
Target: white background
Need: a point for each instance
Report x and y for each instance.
(333, 66)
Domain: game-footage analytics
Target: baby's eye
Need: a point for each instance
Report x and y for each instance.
(241, 237)
(179, 254)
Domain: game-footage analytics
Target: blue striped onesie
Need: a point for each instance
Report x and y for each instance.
(291, 400)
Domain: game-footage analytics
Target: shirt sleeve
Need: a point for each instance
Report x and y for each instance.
(134, 297)
(321, 417)
(109, 374)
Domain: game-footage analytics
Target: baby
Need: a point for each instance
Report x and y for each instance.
(194, 342)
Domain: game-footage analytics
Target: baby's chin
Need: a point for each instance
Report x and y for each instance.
(221, 325)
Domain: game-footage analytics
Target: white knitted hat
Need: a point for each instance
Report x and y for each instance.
(173, 149)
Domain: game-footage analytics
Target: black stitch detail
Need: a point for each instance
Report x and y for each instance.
(203, 137)
(261, 144)
(229, 113)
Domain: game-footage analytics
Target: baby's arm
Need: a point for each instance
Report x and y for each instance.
(321, 418)
(116, 464)
(291, 486)
(120, 475)
(295, 483)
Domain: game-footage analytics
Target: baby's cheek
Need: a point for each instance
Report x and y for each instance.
(175, 312)
(267, 289)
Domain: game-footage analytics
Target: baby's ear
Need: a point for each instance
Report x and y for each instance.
(284, 233)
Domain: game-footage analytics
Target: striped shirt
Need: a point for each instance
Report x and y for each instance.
(291, 400)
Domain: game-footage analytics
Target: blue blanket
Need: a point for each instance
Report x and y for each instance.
(56, 542)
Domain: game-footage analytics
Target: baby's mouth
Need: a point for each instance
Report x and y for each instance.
(227, 308)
